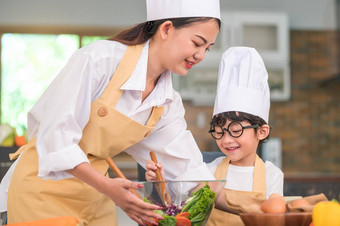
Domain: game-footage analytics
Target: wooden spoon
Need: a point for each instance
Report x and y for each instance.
(120, 174)
(164, 195)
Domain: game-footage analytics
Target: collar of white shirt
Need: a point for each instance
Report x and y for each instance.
(163, 90)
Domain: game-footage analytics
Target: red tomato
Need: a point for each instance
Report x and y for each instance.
(184, 214)
(182, 221)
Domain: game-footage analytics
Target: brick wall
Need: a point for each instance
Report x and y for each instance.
(309, 123)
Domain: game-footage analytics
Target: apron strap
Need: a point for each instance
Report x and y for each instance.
(259, 183)
(259, 180)
(156, 113)
(16, 154)
(222, 169)
(123, 72)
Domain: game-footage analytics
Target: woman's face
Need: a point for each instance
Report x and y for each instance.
(187, 46)
(241, 150)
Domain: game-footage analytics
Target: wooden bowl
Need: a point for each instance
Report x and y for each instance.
(284, 219)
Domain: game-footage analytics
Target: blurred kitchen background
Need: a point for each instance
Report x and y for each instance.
(298, 40)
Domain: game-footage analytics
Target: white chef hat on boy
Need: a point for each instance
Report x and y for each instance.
(242, 83)
(164, 9)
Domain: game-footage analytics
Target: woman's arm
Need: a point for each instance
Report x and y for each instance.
(61, 113)
(118, 191)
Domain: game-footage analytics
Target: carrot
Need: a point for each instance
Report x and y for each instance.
(55, 221)
(182, 221)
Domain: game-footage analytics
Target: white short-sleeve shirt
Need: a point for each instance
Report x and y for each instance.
(241, 178)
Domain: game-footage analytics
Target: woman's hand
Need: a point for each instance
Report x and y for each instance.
(150, 174)
(118, 190)
(133, 206)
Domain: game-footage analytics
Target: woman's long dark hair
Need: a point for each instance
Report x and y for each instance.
(144, 31)
(221, 119)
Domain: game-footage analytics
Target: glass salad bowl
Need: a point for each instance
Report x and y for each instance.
(183, 201)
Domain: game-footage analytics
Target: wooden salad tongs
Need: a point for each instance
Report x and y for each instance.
(161, 188)
(120, 174)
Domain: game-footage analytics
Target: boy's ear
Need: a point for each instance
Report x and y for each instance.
(263, 131)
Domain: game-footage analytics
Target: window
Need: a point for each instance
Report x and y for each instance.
(266, 32)
(29, 62)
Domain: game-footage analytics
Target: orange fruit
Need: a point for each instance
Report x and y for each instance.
(20, 140)
(300, 203)
(274, 204)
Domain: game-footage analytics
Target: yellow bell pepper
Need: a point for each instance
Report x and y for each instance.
(326, 213)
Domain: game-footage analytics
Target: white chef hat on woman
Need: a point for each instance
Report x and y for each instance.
(164, 9)
(242, 83)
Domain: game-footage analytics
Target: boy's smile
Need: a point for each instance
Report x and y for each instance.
(241, 150)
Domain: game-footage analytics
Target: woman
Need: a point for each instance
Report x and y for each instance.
(113, 96)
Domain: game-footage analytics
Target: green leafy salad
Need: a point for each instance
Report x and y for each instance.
(194, 211)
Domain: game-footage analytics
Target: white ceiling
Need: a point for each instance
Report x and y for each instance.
(303, 14)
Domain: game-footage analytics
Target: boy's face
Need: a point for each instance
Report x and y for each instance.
(240, 150)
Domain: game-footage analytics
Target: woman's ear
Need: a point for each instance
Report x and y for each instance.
(263, 131)
(165, 28)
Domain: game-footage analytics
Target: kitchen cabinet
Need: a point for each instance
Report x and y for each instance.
(268, 33)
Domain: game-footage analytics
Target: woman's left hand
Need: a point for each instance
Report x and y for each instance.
(133, 206)
(118, 190)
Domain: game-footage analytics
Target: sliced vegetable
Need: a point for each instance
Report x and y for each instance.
(194, 211)
(200, 205)
(149, 224)
(167, 221)
(182, 221)
(183, 214)
(173, 210)
(159, 212)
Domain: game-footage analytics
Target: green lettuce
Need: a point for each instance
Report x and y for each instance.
(200, 205)
(167, 221)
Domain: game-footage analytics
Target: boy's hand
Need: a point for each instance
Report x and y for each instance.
(150, 174)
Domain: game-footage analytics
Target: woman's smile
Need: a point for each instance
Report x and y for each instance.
(189, 64)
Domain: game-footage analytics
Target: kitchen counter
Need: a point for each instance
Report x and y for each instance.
(305, 184)
(295, 184)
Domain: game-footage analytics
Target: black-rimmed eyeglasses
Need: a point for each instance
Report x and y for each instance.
(235, 129)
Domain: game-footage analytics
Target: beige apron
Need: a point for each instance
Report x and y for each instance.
(107, 133)
(218, 217)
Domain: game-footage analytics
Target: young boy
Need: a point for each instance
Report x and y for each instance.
(239, 125)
